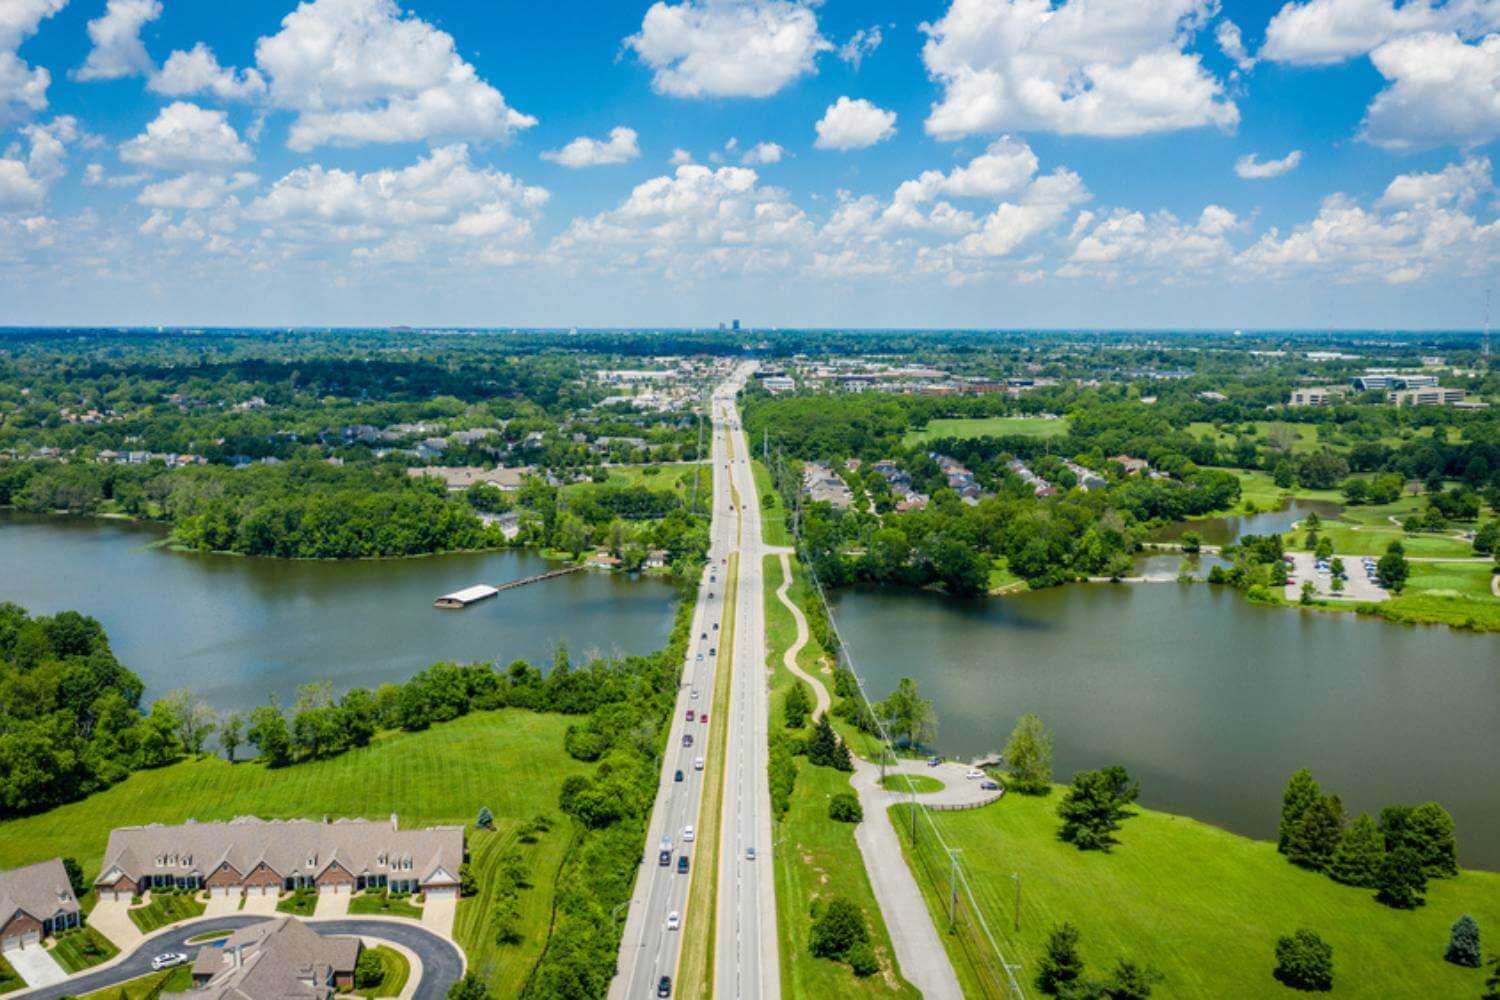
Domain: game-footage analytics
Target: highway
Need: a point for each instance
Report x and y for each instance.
(648, 950)
(746, 963)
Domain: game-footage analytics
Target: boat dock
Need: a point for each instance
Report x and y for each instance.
(480, 591)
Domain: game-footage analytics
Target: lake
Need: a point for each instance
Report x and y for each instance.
(237, 629)
(1210, 701)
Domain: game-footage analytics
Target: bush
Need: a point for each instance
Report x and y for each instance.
(368, 970)
(862, 960)
(1463, 943)
(845, 808)
(838, 928)
(1304, 962)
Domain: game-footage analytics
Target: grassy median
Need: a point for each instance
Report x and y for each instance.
(695, 962)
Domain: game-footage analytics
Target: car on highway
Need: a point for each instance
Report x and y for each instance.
(713, 650)
(664, 987)
(682, 864)
(703, 718)
(687, 834)
(698, 764)
(687, 739)
(674, 922)
(750, 854)
(690, 715)
(678, 776)
(664, 858)
(704, 636)
(167, 959)
(716, 626)
(695, 694)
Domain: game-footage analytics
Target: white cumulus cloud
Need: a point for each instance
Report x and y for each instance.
(1080, 67)
(1440, 90)
(620, 147)
(23, 88)
(763, 154)
(854, 124)
(727, 48)
(194, 190)
(1328, 31)
(1232, 44)
(1252, 167)
(860, 44)
(118, 50)
(197, 71)
(186, 135)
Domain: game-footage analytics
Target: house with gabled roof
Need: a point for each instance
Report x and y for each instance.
(35, 901)
(281, 959)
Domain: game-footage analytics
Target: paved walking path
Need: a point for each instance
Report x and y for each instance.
(918, 949)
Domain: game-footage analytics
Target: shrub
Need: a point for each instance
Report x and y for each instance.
(1304, 962)
(1463, 943)
(368, 970)
(838, 928)
(845, 808)
(862, 960)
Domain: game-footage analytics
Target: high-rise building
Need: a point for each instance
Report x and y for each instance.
(736, 326)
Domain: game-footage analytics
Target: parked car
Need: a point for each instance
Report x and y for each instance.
(989, 786)
(678, 776)
(167, 959)
(974, 774)
(664, 988)
(674, 921)
(934, 761)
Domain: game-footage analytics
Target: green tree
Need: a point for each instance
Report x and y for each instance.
(1060, 965)
(1463, 943)
(486, 819)
(75, 876)
(1301, 792)
(1392, 569)
(1309, 592)
(911, 717)
(470, 987)
(839, 927)
(845, 808)
(796, 706)
(1304, 961)
(1324, 548)
(1400, 881)
(1129, 981)
(822, 745)
(1317, 834)
(1431, 833)
(269, 734)
(1028, 756)
(1360, 851)
(231, 734)
(1094, 805)
(368, 970)
(1492, 983)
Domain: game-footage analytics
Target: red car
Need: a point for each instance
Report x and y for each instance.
(704, 719)
(690, 715)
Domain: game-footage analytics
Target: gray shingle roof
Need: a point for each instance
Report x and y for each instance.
(42, 890)
(280, 959)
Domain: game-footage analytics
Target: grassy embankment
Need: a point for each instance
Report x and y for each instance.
(974, 427)
(816, 857)
(178, 979)
(773, 527)
(394, 971)
(165, 908)
(1302, 438)
(10, 979)
(695, 960)
(1202, 905)
(80, 949)
(442, 775)
(374, 904)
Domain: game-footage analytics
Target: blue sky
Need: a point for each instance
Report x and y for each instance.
(1091, 163)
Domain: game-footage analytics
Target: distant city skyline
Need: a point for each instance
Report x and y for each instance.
(981, 164)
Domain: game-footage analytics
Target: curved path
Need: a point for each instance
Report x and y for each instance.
(442, 963)
(789, 658)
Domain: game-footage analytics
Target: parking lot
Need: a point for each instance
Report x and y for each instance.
(1359, 585)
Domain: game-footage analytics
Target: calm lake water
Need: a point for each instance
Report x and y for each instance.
(238, 629)
(1222, 530)
(1211, 701)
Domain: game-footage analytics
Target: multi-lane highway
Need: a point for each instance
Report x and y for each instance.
(649, 949)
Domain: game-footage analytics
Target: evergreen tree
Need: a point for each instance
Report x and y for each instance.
(1492, 984)
(1359, 854)
(1094, 805)
(1301, 792)
(1304, 961)
(1317, 834)
(1061, 964)
(1463, 943)
(842, 759)
(1400, 882)
(823, 744)
(1431, 835)
(797, 705)
(1028, 756)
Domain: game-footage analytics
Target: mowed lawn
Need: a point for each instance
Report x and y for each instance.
(773, 526)
(1205, 906)
(511, 761)
(974, 427)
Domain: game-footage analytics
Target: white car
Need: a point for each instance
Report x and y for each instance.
(974, 774)
(674, 922)
(687, 834)
(168, 959)
(698, 764)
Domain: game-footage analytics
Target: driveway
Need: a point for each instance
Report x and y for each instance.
(438, 913)
(35, 965)
(442, 963)
(265, 905)
(112, 919)
(331, 904)
(222, 905)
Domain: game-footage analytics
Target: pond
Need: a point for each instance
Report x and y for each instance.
(237, 629)
(1211, 701)
(1223, 530)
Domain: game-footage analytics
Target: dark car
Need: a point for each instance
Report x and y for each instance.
(682, 864)
(678, 777)
(687, 739)
(716, 628)
(664, 988)
(664, 858)
(989, 786)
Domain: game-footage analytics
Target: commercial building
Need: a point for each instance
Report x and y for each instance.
(1317, 395)
(1430, 396)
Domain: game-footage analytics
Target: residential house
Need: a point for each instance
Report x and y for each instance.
(263, 857)
(281, 959)
(1088, 479)
(1130, 465)
(823, 485)
(1039, 486)
(35, 901)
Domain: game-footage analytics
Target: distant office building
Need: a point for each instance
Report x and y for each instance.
(1392, 380)
(1317, 395)
(1429, 396)
(736, 325)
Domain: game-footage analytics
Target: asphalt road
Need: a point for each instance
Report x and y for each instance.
(442, 964)
(648, 950)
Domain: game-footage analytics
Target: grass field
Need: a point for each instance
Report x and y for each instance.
(10, 979)
(974, 427)
(1202, 905)
(510, 760)
(377, 904)
(1456, 594)
(394, 972)
(1002, 580)
(178, 979)
(165, 908)
(816, 857)
(695, 960)
(773, 526)
(79, 949)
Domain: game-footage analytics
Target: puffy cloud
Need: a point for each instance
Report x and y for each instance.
(1456, 184)
(854, 124)
(1440, 90)
(197, 71)
(620, 147)
(116, 34)
(24, 183)
(194, 190)
(361, 71)
(1126, 245)
(1082, 67)
(23, 89)
(1253, 168)
(1329, 31)
(763, 154)
(727, 48)
(185, 135)
(1043, 205)
(1232, 44)
(860, 44)
(679, 157)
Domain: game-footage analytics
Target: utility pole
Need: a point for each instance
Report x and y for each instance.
(953, 888)
(1017, 877)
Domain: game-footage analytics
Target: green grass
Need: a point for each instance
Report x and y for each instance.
(816, 857)
(510, 760)
(10, 979)
(377, 904)
(1456, 594)
(303, 903)
(1299, 437)
(773, 526)
(1372, 540)
(177, 979)
(1002, 580)
(1202, 905)
(395, 971)
(166, 908)
(79, 949)
(919, 783)
(974, 427)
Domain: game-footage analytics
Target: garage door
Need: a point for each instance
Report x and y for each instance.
(261, 890)
(20, 940)
(335, 888)
(441, 892)
(218, 890)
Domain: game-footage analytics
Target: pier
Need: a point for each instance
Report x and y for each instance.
(480, 591)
